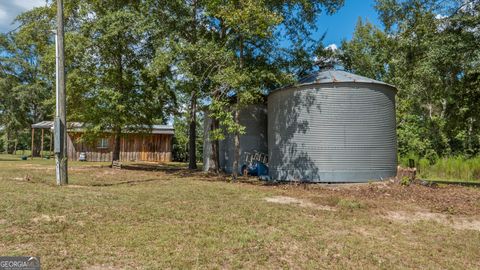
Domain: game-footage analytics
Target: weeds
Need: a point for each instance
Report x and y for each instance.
(405, 181)
(349, 204)
(452, 168)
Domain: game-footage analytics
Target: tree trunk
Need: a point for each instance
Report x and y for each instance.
(192, 131)
(215, 148)
(116, 145)
(192, 134)
(121, 89)
(207, 143)
(236, 138)
(236, 143)
(7, 144)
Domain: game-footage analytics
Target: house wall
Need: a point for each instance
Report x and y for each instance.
(133, 147)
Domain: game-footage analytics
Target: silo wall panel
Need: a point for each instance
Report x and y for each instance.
(254, 119)
(332, 133)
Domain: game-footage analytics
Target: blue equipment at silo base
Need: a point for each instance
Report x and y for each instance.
(256, 168)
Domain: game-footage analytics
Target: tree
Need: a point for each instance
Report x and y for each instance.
(426, 49)
(130, 62)
(251, 31)
(26, 91)
(110, 86)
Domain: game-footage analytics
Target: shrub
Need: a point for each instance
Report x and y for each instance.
(405, 181)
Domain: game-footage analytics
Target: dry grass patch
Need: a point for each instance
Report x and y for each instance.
(299, 202)
(173, 218)
(456, 222)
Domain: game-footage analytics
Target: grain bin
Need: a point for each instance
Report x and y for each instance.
(332, 126)
(254, 119)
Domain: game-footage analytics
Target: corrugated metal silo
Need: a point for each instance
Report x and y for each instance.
(332, 126)
(254, 118)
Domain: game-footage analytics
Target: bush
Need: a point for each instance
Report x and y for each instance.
(451, 168)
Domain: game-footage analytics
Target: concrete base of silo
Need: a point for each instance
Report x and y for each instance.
(312, 176)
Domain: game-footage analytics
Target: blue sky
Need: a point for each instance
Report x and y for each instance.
(341, 25)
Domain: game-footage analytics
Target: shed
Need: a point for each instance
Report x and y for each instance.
(154, 145)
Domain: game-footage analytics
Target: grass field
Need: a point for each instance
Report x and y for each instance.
(168, 217)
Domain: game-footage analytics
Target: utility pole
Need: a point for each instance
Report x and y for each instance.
(60, 126)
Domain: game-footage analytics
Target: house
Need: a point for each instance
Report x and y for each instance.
(154, 145)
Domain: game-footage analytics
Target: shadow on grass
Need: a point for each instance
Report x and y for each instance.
(181, 171)
(6, 159)
(125, 182)
(151, 167)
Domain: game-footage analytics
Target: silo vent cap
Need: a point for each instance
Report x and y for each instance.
(327, 63)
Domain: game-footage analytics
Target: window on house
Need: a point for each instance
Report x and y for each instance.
(102, 143)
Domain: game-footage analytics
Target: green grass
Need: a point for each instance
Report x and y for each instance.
(349, 204)
(451, 169)
(172, 218)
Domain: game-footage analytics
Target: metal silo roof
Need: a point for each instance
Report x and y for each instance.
(333, 76)
(337, 76)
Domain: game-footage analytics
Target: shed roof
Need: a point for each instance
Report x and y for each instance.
(79, 127)
(49, 125)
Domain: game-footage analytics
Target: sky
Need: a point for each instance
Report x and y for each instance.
(9, 9)
(338, 27)
(341, 25)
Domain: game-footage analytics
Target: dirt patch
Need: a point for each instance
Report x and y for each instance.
(23, 179)
(75, 186)
(390, 195)
(101, 267)
(460, 223)
(47, 218)
(299, 202)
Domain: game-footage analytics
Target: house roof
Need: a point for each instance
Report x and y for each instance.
(79, 127)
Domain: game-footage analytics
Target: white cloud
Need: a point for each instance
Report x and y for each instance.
(3, 15)
(9, 9)
(443, 22)
(332, 47)
(29, 4)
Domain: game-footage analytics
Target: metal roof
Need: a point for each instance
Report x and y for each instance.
(337, 76)
(79, 127)
(49, 125)
(333, 76)
(163, 129)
